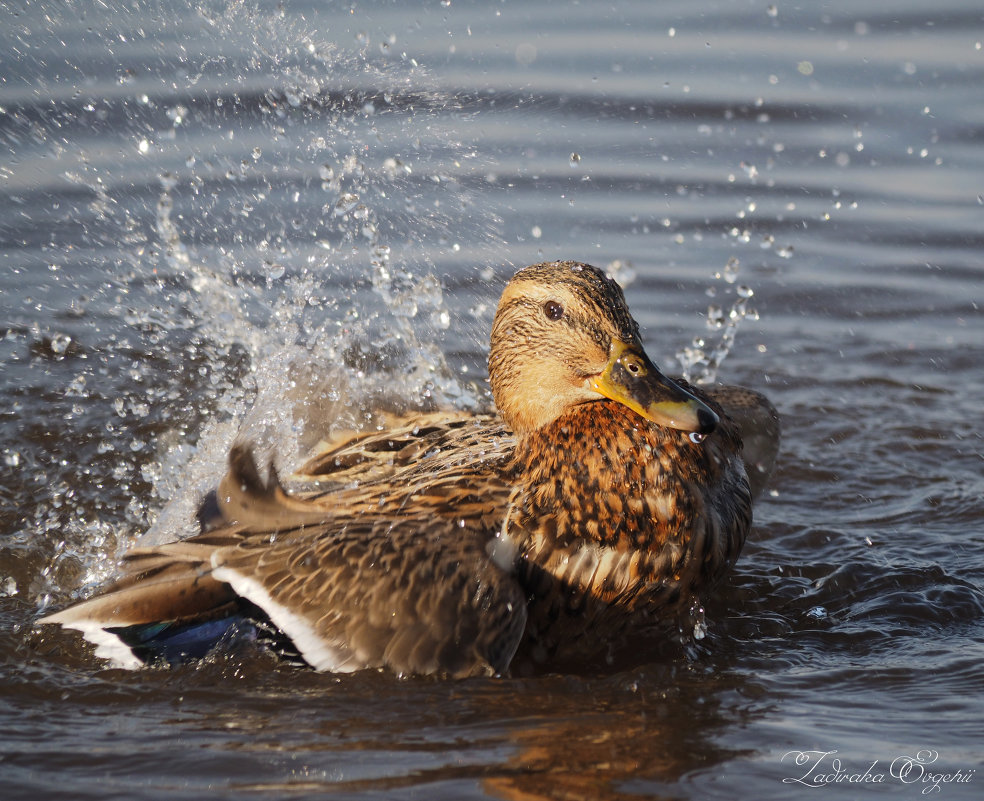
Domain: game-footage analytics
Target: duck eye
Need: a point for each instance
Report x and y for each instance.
(553, 310)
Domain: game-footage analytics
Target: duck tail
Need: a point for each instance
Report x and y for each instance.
(167, 603)
(165, 592)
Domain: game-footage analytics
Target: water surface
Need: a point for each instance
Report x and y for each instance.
(210, 208)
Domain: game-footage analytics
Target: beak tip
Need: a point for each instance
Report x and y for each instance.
(706, 420)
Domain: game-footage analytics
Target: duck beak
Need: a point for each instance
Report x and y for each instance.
(634, 381)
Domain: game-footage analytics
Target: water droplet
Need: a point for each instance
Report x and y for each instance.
(59, 343)
(621, 271)
(346, 203)
(575, 160)
(393, 167)
(177, 114)
(441, 319)
(715, 317)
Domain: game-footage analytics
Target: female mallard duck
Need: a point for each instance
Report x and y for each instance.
(599, 504)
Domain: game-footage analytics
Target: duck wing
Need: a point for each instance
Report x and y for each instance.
(758, 423)
(412, 586)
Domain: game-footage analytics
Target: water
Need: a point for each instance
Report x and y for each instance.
(276, 218)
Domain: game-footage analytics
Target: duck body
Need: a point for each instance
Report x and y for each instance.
(624, 523)
(600, 502)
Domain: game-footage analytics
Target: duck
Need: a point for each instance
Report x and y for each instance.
(587, 514)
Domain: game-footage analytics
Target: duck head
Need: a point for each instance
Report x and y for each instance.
(562, 336)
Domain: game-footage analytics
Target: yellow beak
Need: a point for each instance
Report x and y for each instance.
(634, 381)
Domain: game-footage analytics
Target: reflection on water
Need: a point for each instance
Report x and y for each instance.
(287, 732)
(237, 219)
(625, 743)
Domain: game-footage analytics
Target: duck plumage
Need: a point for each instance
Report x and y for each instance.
(592, 509)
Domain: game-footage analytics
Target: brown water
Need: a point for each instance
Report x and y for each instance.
(178, 237)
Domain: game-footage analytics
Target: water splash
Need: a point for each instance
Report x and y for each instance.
(702, 358)
(319, 359)
(277, 213)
